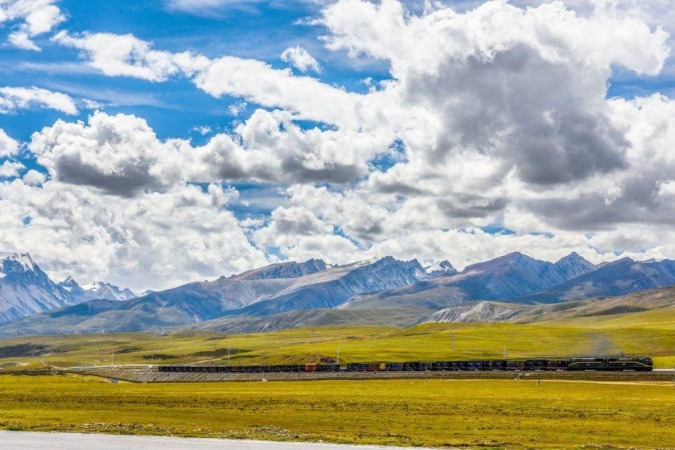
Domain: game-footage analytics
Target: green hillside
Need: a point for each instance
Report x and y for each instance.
(649, 333)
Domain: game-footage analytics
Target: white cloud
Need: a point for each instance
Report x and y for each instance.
(270, 147)
(119, 155)
(8, 146)
(35, 17)
(9, 169)
(496, 116)
(206, 7)
(182, 235)
(126, 55)
(300, 58)
(13, 98)
(203, 130)
(34, 178)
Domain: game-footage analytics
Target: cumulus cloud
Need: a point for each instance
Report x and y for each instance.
(493, 116)
(34, 18)
(177, 236)
(530, 91)
(8, 146)
(119, 155)
(269, 146)
(13, 98)
(9, 169)
(300, 58)
(34, 178)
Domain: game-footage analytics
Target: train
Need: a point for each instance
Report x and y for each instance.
(639, 364)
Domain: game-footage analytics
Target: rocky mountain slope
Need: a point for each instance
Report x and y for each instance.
(511, 276)
(403, 317)
(96, 290)
(476, 312)
(609, 280)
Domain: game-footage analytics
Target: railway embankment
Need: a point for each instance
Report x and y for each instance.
(152, 375)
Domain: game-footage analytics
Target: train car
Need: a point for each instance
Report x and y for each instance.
(524, 365)
(357, 367)
(644, 364)
(495, 365)
(328, 368)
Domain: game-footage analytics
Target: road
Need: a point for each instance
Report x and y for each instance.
(20, 440)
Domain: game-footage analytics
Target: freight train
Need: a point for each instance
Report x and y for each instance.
(642, 364)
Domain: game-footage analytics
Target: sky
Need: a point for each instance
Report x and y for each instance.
(153, 143)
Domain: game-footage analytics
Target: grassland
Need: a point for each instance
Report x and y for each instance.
(479, 413)
(649, 333)
(486, 414)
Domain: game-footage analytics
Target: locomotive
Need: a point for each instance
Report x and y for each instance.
(640, 364)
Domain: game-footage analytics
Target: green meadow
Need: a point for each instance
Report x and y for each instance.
(646, 333)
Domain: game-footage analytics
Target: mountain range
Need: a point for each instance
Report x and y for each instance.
(295, 294)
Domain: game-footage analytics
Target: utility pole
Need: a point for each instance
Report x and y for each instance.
(112, 358)
(228, 355)
(338, 355)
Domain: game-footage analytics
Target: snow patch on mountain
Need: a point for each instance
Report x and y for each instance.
(440, 268)
(475, 312)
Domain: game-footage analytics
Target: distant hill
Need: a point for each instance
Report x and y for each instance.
(652, 300)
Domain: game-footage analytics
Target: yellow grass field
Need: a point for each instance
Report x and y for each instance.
(485, 414)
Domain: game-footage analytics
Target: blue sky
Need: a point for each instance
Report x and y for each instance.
(261, 31)
(430, 132)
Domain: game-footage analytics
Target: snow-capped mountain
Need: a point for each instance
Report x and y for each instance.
(96, 290)
(25, 289)
(440, 268)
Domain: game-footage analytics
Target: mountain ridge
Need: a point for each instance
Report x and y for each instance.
(292, 293)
